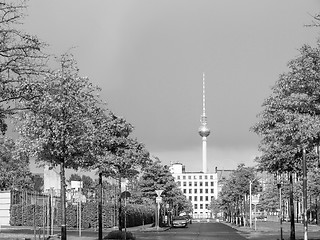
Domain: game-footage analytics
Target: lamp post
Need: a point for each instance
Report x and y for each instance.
(158, 201)
(305, 198)
(250, 202)
(280, 209)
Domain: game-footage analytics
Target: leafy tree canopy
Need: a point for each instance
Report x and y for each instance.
(14, 167)
(290, 117)
(22, 60)
(60, 126)
(159, 177)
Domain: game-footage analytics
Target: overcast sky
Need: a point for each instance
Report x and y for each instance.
(148, 57)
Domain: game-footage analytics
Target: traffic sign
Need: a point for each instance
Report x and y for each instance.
(255, 199)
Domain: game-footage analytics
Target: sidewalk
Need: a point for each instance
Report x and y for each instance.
(271, 231)
(22, 236)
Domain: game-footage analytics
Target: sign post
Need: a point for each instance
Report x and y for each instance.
(255, 201)
(158, 201)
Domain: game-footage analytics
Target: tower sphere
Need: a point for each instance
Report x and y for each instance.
(204, 131)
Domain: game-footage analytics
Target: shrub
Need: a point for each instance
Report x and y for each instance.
(120, 235)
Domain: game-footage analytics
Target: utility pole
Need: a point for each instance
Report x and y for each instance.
(305, 197)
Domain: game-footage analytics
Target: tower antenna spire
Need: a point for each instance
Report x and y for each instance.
(203, 117)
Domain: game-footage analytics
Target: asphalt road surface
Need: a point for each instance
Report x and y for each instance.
(195, 231)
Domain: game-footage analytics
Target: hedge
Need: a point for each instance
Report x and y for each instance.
(22, 215)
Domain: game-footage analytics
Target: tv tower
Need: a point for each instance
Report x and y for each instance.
(204, 131)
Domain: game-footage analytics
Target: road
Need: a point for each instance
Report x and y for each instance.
(195, 231)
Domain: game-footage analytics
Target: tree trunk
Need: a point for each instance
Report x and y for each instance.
(63, 202)
(292, 227)
(120, 207)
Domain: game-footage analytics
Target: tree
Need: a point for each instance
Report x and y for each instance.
(235, 191)
(215, 207)
(14, 167)
(61, 124)
(269, 199)
(120, 155)
(22, 60)
(158, 177)
(290, 119)
(74, 177)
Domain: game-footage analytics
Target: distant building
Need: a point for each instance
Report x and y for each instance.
(51, 180)
(200, 188)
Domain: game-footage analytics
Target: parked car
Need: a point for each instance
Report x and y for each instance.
(179, 221)
(189, 218)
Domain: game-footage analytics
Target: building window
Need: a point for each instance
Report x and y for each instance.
(190, 184)
(200, 184)
(207, 205)
(190, 190)
(195, 191)
(200, 190)
(189, 177)
(195, 184)
(184, 184)
(206, 184)
(206, 191)
(201, 206)
(184, 191)
(211, 190)
(201, 198)
(211, 184)
(195, 198)
(196, 206)
(190, 198)
(207, 198)
(200, 177)
(178, 177)
(205, 177)
(179, 183)
(184, 177)
(194, 177)
(211, 176)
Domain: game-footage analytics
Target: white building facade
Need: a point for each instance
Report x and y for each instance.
(200, 188)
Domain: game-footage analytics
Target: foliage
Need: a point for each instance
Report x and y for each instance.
(269, 199)
(22, 215)
(123, 155)
(120, 235)
(120, 155)
(314, 182)
(158, 177)
(215, 206)
(88, 183)
(22, 60)
(233, 192)
(14, 170)
(38, 183)
(60, 126)
(74, 177)
(290, 118)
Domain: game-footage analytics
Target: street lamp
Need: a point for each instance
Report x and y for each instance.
(280, 208)
(158, 201)
(250, 200)
(304, 170)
